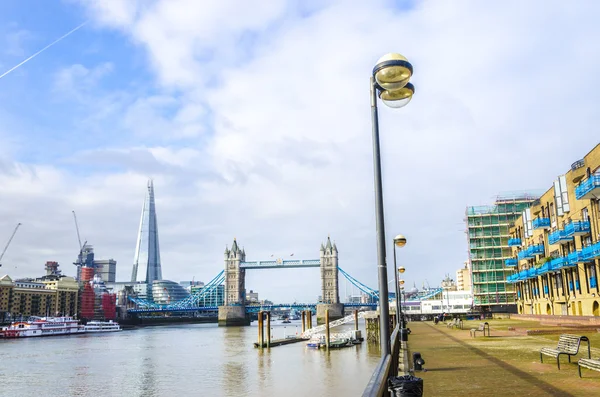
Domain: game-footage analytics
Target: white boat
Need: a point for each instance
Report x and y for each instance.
(102, 326)
(42, 326)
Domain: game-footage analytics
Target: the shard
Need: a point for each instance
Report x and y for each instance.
(146, 263)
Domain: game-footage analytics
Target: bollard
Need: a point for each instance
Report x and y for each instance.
(356, 320)
(268, 329)
(303, 321)
(327, 336)
(260, 330)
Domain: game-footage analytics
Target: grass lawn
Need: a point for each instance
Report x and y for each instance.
(505, 364)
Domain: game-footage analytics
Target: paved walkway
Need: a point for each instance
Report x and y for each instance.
(505, 364)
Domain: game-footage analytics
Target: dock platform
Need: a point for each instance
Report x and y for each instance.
(281, 342)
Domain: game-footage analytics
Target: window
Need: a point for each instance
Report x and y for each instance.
(584, 214)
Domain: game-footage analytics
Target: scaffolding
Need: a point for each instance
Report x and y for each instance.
(488, 228)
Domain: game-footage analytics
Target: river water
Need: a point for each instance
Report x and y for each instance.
(182, 360)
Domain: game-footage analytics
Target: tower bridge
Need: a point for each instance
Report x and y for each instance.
(233, 312)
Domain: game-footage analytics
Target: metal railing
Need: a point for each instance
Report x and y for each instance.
(387, 366)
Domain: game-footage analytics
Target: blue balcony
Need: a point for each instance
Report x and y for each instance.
(590, 188)
(514, 242)
(524, 254)
(574, 258)
(559, 236)
(511, 262)
(532, 272)
(558, 263)
(545, 268)
(536, 250)
(577, 228)
(511, 279)
(541, 223)
(591, 252)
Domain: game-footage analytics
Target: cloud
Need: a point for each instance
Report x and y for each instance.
(14, 42)
(256, 124)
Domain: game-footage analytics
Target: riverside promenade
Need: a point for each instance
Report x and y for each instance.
(505, 364)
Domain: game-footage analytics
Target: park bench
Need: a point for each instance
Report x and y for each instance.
(482, 327)
(568, 345)
(457, 322)
(588, 363)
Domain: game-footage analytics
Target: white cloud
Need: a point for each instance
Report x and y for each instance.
(276, 101)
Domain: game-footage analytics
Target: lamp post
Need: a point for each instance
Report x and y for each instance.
(390, 80)
(399, 241)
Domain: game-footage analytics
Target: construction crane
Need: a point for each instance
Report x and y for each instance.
(77, 228)
(9, 240)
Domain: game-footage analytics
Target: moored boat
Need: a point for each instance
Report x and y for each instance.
(42, 326)
(102, 326)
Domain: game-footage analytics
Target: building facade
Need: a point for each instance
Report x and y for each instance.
(106, 269)
(215, 297)
(463, 278)
(42, 297)
(488, 234)
(556, 245)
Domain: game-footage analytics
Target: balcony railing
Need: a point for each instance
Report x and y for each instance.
(511, 262)
(536, 249)
(559, 236)
(590, 252)
(545, 268)
(577, 228)
(541, 223)
(573, 258)
(514, 242)
(524, 255)
(588, 188)
(532, 272)
(558, 263)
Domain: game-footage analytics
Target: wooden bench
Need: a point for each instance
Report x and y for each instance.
(482, 327)
(457, 322)
(567, 345)
(588, 363)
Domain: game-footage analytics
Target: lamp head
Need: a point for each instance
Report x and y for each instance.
(392, 71)
(398, 98)
(400, 240)
(400, 282)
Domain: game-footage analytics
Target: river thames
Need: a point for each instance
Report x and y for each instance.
(194, 359)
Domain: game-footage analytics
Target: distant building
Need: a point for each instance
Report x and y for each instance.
(448, 284)
(165, 292)
(215, 297)
(106, 269)
(488, 233)
(463, 278)
(252, 297)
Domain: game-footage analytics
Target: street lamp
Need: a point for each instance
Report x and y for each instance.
(390, 81)
(399, 241)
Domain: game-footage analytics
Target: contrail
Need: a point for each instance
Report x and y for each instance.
(42, 50)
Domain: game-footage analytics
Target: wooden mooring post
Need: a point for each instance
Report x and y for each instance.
(327, 334)
(268, 329)
(261, 339)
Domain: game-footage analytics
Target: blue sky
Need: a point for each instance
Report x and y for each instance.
(254, 122)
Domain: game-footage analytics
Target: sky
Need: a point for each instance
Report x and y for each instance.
(253, 119)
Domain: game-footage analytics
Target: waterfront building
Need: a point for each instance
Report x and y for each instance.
(463, 278)
(165, 292)
(488, 234)
(49, 295)
(556, 245)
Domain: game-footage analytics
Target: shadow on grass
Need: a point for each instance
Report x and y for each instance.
(446, 369)
(548, 388)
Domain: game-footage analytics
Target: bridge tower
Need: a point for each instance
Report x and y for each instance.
(330, 292)
(233, 312)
